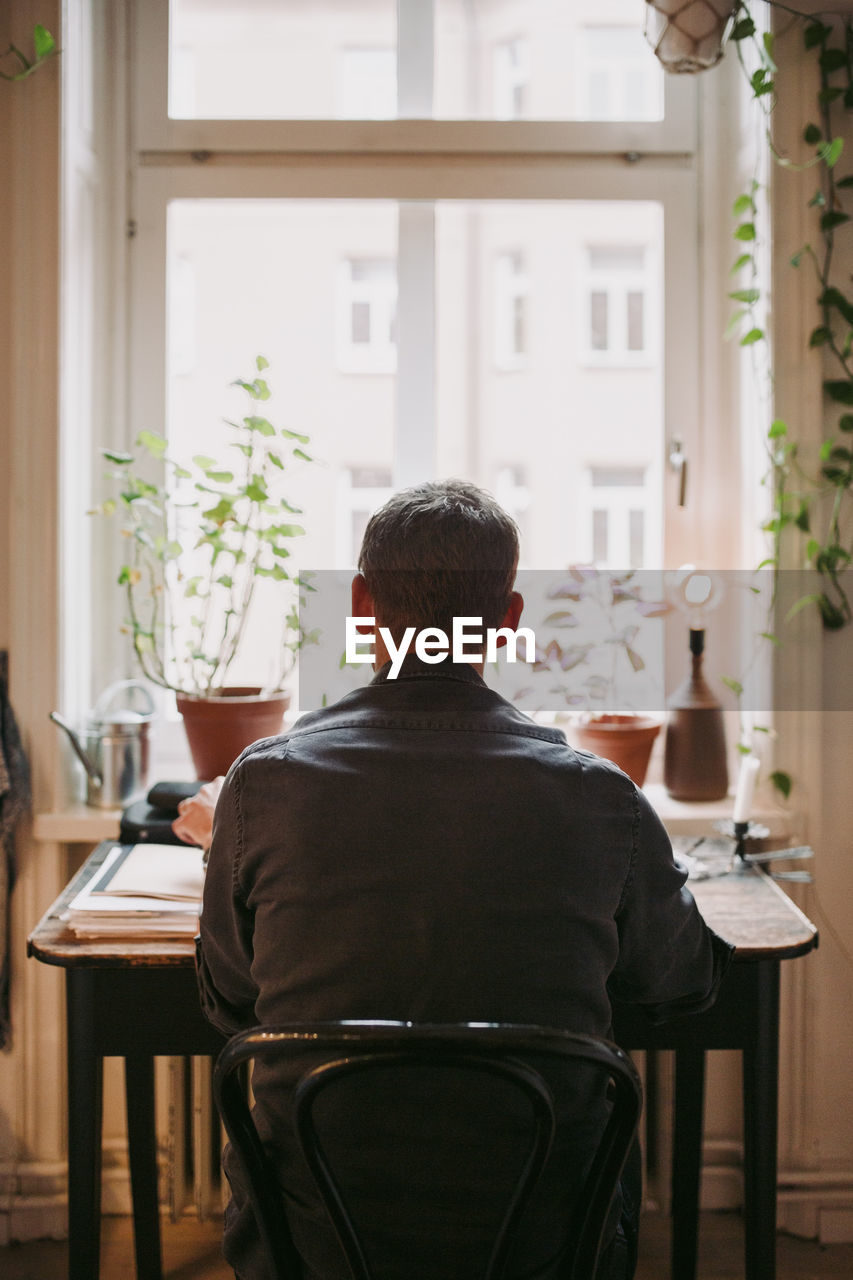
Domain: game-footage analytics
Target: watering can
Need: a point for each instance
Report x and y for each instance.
(114, 748)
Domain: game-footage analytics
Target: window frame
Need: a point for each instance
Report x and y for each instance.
(419, 160)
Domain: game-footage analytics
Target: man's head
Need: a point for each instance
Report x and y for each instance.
(439, 551)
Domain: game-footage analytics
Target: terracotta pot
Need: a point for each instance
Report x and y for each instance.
(627, 740)
(219, 728)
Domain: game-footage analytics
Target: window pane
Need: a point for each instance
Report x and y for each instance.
(313, 286)
(598, 320)
(636, 329)
(491, 59)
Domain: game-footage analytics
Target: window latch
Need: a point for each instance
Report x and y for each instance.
(678, 464)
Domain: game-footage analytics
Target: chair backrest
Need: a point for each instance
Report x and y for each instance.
(515, 1055)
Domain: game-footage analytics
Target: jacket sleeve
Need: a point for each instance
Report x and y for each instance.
(669, 959)
(224, 947)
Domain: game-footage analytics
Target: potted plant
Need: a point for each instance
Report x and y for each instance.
(200, 536)
(602, 612)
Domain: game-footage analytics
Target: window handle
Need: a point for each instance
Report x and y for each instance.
(678, 464)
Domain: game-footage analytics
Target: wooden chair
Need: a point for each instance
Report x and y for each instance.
(516, 1055)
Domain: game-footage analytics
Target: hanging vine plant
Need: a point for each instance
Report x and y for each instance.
(16, 65)
(812, 502)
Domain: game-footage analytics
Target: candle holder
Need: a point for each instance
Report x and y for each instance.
(740, 832)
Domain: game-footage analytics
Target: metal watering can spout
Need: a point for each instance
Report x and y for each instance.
(80, 752)
(114, 747)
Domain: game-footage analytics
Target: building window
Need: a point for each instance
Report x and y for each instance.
(620, 319)
(618, 79)
(361, 491)
(367, 309)
(511, 305)
(617, 517)
(511, 74)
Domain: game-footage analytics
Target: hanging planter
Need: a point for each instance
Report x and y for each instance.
(688, 35)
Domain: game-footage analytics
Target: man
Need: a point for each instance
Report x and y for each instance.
(421, 850)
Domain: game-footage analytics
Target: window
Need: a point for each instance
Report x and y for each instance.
(367, 315)
(511, 306)
(413, 204)
(618, 517)
(511, 75)
(619, 81)
(621, 313)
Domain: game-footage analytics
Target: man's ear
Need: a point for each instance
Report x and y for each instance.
(512, 615)
(362, 604)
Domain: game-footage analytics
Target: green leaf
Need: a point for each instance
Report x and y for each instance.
(743, 203)
(225, 580)
(812, 134)
(735, 685)
(746, 231)
(825, 450)
(261, 425)
(816, 33)
(294, 435)
(256, 490)
(782, 782)
(261, 363)
(734, 321)
(120, 459)
(43, 42)
(801, 519)
(740, 262)
(802, 603)
(778, 429)
(220, 477)
(743, 29)
(224, 510)
(812, 548)
(845, 182)
(818, 201)
(840, 390)
(754, 335)
(155, 444)
(768, 41)
(832, 60)
(831, 616)
(202, 461)
(748, 296)
(833, 297)
(774, 640)
(762, 82)
(819, 336)
(845, 422)
(275, 460)
(298, 453)
(833, 218)
(829, 95)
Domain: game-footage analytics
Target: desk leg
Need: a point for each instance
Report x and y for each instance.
(687, 1160)
(142, 1151)
(85, 1109)
(760, 1107)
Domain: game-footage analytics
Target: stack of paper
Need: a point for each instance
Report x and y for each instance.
(143, 890)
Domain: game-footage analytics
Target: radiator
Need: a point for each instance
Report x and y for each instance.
(194, 1182)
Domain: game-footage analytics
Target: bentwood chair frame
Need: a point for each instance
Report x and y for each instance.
(498, 1050)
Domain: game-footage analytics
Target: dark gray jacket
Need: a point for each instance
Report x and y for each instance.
(422, 850)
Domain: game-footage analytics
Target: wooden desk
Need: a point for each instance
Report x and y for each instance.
(138, 1000)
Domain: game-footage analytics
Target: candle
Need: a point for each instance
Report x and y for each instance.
(746, 788)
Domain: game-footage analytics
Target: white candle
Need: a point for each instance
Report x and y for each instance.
(746, 788)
